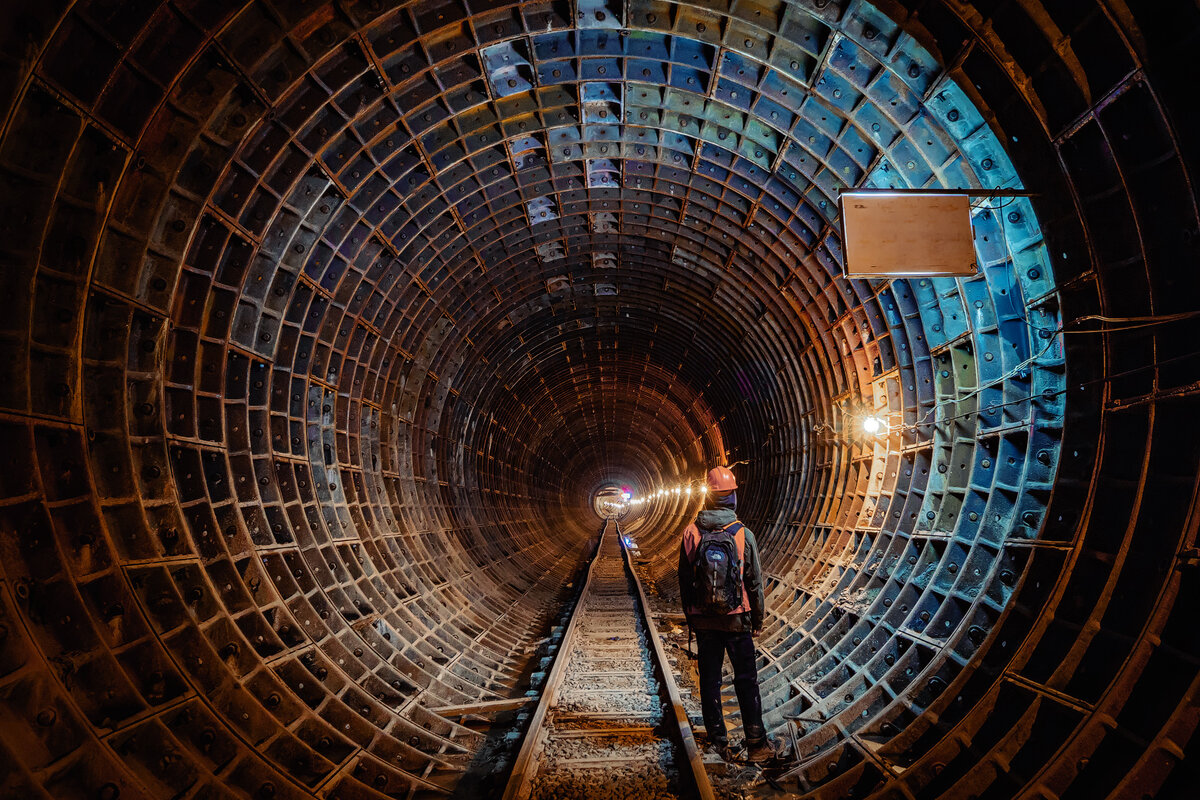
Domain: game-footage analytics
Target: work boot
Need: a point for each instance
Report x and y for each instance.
(758, 748)
(759, 752)
(718, 745)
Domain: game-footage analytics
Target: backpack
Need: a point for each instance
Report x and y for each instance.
(717, 571)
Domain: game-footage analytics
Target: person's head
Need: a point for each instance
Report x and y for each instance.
(722, 488)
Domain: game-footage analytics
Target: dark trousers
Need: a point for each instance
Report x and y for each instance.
(712, 646)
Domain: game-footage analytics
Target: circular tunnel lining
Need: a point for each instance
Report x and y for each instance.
(333, 311)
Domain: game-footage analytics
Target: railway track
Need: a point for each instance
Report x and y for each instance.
(610, 721)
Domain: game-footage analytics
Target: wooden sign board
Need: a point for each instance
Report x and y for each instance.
(904, 234)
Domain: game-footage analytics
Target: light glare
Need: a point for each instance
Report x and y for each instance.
(875, 425)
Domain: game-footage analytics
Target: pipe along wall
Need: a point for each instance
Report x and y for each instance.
(325, 323)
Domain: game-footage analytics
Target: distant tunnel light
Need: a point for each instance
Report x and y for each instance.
(899, 234)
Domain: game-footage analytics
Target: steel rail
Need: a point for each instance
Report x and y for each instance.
(687, 738)
(535, 734)
(525, 765)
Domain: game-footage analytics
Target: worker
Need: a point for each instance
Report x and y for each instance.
(720, 587)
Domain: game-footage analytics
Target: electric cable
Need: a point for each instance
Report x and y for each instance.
(1136, 322)
(990, 384)
(1142, 322)
(1139, 322)
(1051, 394)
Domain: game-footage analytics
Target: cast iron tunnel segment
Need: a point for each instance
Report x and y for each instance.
(610, 713)
(311, 312)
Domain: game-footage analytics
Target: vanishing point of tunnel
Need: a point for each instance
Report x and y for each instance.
(324, 326)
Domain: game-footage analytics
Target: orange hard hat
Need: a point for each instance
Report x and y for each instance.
(720, 479)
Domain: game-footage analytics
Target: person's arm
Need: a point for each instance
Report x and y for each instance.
(752, 580)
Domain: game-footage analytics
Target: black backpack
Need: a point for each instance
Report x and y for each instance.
(717, 571)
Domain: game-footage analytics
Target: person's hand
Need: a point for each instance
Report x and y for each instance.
(756, 632)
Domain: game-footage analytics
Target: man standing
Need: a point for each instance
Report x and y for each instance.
(720, 586)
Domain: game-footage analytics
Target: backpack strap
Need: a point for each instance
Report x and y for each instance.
(733, 528)
(736, 525)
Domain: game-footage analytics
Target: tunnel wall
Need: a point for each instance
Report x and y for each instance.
(317, 342)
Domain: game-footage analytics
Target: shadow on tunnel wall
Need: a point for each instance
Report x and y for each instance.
(323, 323)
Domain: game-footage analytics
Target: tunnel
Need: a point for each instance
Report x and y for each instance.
(330, 329)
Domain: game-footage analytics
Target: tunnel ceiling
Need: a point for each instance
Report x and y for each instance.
(326, 323)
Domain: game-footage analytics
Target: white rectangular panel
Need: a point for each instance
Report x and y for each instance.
(904, 234)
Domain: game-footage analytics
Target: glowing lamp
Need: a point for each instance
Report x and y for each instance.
(875, 425)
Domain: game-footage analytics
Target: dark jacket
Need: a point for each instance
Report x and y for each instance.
(736, 621)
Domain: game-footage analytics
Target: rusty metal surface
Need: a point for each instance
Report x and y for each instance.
(324, 322)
